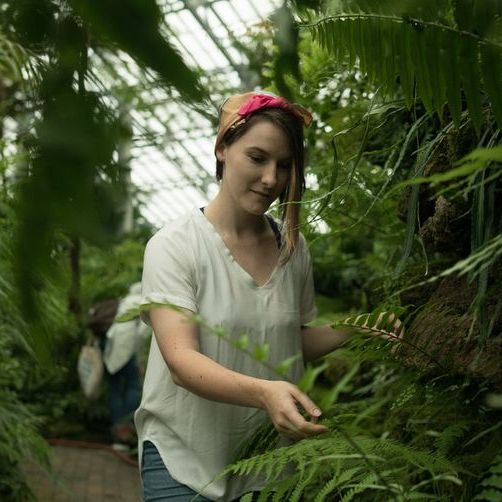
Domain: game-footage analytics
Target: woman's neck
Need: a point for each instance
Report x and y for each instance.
(232, 221)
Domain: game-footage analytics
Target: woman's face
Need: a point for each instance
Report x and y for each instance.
(257, 167)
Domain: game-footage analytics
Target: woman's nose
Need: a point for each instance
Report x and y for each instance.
(269, 175)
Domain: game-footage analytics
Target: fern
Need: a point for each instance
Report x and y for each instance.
(383, 325)
(491, 485)
(314, 459)
(360, 487)
(434, 59)
(396, 439)
(450, 436)
(338, 479)
(476, 262)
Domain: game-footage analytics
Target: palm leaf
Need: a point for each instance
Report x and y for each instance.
(19, 64)
(134, 27)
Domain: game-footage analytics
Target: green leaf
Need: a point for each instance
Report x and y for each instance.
(283, 367)
(466, 166)
(451, 74)
(134, 27)
(435, 49)
(494, 401)
(493, 482)
(390, 38)
(262, 352)
(242, 342)
(309, 377)
(489, 496)
(406, 65)
(491, 67)
(421, 54)
(433, 59)
(353, 43)
(286, 39)
(469, 72)
(462, 11)
(420, 496)
(342, 385)
(248, 497)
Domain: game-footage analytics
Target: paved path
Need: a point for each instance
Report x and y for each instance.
(93, 473)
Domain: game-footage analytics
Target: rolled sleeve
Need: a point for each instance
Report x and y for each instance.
(167, 274)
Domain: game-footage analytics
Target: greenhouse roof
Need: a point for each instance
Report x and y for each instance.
(171, 156)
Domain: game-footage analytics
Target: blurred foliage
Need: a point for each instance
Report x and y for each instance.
(45, 400)
(20, 424)
(72, 179)
(64, 192)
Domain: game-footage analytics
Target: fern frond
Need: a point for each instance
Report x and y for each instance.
(360, 487)
(380, 323)
(465, 169)
(441, 59)
(341, 477)
(318, 461)
(450, 436)
(491, 485)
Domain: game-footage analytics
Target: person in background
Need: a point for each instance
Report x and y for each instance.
(123, 341)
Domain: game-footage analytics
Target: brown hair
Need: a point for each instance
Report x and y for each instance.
(292, 195)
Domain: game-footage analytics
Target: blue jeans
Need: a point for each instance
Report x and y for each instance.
(124, 392)
(158, 485)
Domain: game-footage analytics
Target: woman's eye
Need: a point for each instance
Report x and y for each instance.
(256, 159)
(286, 166)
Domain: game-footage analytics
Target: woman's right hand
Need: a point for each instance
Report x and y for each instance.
(281, 400)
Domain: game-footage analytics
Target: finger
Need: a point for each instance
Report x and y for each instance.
(310, 429)
(290, 431)
(304, 430)
(306, 403)
(297, 423)
(284, 431)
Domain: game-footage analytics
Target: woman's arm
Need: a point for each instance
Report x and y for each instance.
(317, 341)
(178, 340)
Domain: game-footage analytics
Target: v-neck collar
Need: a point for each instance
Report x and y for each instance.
(229, 257)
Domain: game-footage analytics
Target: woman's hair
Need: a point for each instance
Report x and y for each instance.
(291, 196)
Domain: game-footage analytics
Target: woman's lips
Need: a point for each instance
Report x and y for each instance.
(264, 195)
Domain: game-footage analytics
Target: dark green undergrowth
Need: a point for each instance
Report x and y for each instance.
(394, 434)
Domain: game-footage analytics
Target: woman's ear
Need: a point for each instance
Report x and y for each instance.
(220, 152)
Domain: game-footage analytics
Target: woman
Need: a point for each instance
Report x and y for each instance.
(230, 265)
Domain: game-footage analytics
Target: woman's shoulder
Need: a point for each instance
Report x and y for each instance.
(177, 229)
(175, 238)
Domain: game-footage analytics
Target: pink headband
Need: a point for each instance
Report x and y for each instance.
(237, 108)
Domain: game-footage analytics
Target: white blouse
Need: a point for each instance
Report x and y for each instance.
(187, 264)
